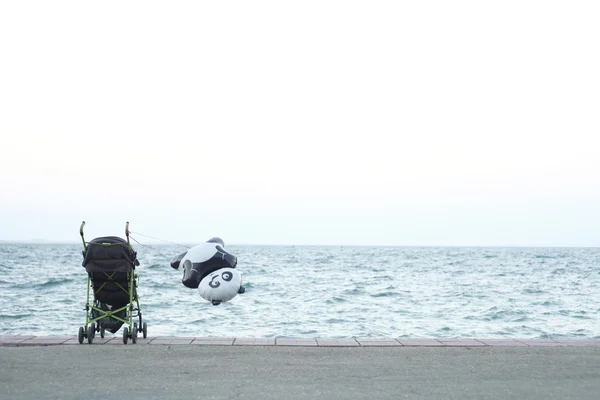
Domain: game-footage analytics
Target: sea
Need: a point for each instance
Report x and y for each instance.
(325, 292)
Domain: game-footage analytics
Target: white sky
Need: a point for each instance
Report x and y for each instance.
(312, 122)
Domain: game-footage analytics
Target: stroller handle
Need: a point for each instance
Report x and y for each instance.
(83, 239)
(81, 232)
(127, 233)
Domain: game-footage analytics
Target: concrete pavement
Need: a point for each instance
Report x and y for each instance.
(175, 368)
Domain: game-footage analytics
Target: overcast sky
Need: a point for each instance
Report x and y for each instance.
(309, 122)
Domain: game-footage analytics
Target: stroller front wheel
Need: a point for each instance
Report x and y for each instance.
(102, 330)
(145, 330)
(125, 335)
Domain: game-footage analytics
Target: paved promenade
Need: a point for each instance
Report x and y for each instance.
(331, 369)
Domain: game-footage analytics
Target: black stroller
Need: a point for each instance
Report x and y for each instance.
(110, 263)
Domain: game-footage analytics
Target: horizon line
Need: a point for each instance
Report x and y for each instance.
(43, 241)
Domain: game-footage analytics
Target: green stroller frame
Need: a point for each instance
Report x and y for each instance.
(110, 263)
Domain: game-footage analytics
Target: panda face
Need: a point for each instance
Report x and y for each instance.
(220, 285)
(215, 280)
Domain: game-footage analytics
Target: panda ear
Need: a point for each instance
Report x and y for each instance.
(177, 259)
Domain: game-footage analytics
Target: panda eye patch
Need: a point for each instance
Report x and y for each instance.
(227, 276)
(214, 284)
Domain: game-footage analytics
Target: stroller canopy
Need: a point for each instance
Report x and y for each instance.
(109, 253)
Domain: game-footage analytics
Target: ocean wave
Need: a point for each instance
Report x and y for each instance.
(155, 266)
(353, 291)
(50, 283)
(385, 294)
(533, 291)
(15, 316)
(335, 299)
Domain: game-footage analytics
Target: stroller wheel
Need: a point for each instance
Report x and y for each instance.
(145, 330)
(90, 335)
(80, 335)
(135, 327)
(102, 332)
(93, 329)
(125, 335)
(134, 336)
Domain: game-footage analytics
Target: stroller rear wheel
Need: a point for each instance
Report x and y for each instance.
(125, 335)
(134, 334)
(80, 335)
(91, 333)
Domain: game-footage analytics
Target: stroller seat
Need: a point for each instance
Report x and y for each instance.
(110, 262)
(108, 288)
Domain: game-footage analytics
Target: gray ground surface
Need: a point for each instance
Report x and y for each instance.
(257, 372)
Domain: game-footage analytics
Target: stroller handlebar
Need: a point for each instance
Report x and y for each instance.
(83, 239)
(81, 232)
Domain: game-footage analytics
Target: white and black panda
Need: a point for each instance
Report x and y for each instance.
(211, 269)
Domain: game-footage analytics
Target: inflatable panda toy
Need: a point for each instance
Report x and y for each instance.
(211, 269)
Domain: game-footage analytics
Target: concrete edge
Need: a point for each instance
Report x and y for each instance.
(23, 341)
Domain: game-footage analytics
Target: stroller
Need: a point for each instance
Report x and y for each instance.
(110, 263)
